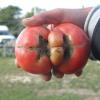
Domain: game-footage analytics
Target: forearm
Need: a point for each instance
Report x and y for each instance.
(76, 16)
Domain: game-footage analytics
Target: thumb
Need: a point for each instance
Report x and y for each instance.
(48, 17)
(33, 21)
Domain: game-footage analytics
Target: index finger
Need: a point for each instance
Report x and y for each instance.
(48, 17)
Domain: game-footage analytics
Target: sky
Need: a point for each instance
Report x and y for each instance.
(27, 5)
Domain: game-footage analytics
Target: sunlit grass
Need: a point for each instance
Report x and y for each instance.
(16, 84)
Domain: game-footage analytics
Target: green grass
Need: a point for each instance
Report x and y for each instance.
(37, 89)
(90, 78)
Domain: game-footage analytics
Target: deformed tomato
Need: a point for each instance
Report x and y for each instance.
(31, 50)
(73, 46)
(65, 50)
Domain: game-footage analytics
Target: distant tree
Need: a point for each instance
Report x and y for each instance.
(10, 16)
(34, 11)
(29, 14)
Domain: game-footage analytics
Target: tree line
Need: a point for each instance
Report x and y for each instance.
(11, 16)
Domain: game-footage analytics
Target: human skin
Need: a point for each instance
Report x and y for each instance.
(57, 16)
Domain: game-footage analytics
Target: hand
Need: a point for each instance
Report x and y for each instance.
(49, 17)
(55, 17)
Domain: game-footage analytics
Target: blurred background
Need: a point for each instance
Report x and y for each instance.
(16, 84)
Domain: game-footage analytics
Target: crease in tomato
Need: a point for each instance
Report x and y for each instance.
(67, 47)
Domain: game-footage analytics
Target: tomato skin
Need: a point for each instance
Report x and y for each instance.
(80, 46)
(33, 44)
(26, 50)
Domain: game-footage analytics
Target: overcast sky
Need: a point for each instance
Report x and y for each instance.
(27, 5)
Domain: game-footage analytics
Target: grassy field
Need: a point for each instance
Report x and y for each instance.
(15, 84)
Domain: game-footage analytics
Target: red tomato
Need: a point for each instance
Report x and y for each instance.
(31, 50)
(65, 50)
(72, 48)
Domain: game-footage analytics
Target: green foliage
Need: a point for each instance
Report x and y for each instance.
(29, 14)
(34, 11)
(9, 13)
(10, 16)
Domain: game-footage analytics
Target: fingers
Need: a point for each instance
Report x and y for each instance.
(58, 74)
(33, 21)
(16, 63)
(48, 17)
(46, 77)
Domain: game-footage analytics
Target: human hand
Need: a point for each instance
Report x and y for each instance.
(48, 17)
(56, 17)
